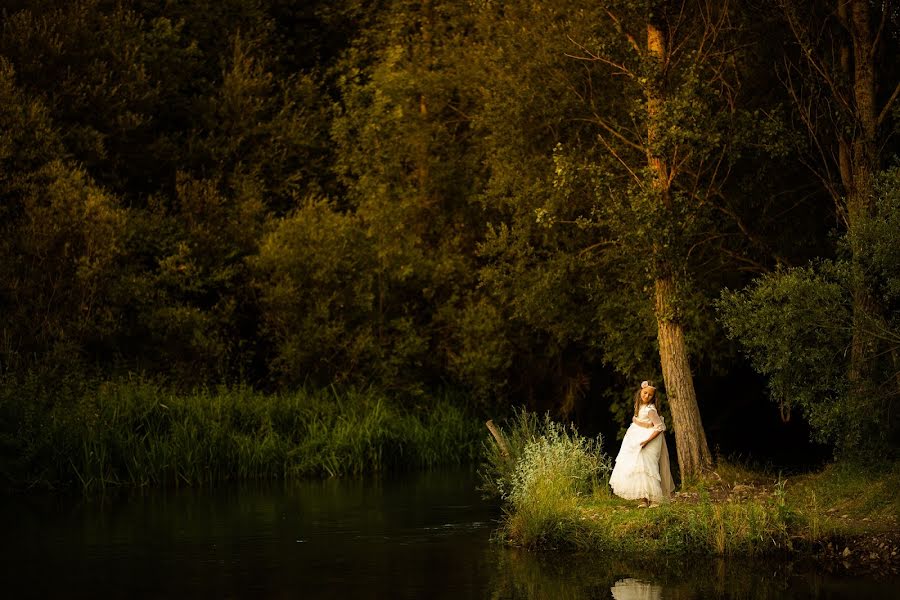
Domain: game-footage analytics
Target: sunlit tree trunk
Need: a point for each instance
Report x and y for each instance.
(693, 451)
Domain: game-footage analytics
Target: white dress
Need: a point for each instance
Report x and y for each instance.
(643, 472)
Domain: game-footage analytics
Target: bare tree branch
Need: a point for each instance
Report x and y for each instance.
(591, 56)
(884, 17)
(628, 36)
(619, 158)
(805, 110)
(887, 107)
(597, 119)
(801, 35)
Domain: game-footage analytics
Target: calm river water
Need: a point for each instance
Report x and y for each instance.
(420, 536)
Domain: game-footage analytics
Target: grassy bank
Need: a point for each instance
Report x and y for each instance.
(554, 486)
(136, 433)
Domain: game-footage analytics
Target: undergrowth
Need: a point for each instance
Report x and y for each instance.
(137, 433)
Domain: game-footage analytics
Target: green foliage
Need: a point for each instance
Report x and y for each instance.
(319, 249)
(546, 470)
(258, 130)
(479, 353)
(795, 326)
(110, 78)
(137, 433)
(67, 238)
(368, 193)
(180, 119)
(30, 139)
(879, 248)
(403, 151)
(539, 278)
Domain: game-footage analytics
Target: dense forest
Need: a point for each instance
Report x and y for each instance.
(530, 203)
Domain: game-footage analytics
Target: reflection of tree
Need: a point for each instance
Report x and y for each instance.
(557, 576)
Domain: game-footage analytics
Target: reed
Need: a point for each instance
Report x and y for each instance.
(138, 433)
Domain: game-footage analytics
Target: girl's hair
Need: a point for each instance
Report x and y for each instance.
(637, 396)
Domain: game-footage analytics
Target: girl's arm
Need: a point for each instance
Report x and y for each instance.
(653, 435)
(658, 426)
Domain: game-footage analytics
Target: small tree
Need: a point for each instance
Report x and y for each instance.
(798, 326)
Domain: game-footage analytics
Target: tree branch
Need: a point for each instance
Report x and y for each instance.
(801, 35)
(619, 158)
(884, 16)
(602, 123)
(596, 57)
(887, 107)
(628, 36)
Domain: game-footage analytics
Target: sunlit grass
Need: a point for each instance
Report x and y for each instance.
(733, 510)
(848, 498)
(608, 524)
(791, 514)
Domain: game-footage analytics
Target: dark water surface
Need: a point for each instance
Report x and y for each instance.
(421, 536)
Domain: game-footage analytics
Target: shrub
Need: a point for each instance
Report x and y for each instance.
(548, 469)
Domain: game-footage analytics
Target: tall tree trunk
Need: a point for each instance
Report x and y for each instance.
(693, 451)
(858, 178)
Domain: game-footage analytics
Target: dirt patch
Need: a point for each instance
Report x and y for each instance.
(725, 492)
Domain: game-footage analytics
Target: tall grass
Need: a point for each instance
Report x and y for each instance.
(137, 433)
(554, 485)
(546, 470)
(543, 480)
(848, 498)
(500, 458)
(607, 524)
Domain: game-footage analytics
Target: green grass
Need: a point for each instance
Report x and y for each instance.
(847, 499)
(602, 522)
(136, 433)
(612, 525)
(733, 511)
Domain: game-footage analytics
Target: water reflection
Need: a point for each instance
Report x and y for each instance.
(521, 575)
(635, 589)
(421, 536)
(425, 536)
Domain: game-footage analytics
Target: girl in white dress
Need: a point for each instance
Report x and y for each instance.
(642, 467)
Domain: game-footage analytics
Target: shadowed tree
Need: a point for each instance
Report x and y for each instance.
(845, 91)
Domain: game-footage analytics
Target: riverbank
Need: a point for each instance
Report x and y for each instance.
(138, 433)
(553, 484)
(846, 515)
